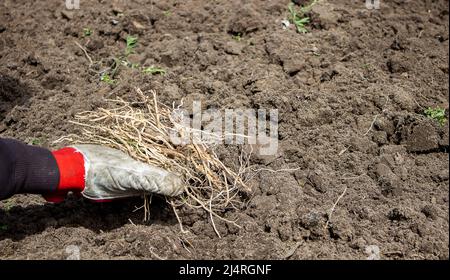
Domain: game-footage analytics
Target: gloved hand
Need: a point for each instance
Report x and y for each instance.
(102, 174)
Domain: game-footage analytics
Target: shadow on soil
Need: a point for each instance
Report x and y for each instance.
(18, 222)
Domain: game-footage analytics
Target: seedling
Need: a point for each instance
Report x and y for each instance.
(437, 114)
(300, 18)
(3, 227)
(36, 142)
(109, 75)
(154, 71)
(167, 13)
(87, 32)
(237, 37)
(107, 79)
(8, 204)
(131, 44)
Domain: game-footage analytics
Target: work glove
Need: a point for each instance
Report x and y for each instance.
(103, 174)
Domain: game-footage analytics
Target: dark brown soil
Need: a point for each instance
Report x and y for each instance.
(350, 93)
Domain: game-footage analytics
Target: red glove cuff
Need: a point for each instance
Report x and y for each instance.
(71, 175)
(71, 170)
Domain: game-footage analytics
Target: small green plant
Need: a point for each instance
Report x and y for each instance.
(87, 32)
(3, 227)
(237, 37)
(300, 18)
(109, 75)
(154, 70)
(131, 44)
(167, 13)
(8, 204)
(36, 142)
(122, 60)
(107, 79)
(437, 114)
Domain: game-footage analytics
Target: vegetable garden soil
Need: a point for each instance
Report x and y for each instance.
(350, 94)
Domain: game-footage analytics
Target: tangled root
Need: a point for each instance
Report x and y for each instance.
(142, 130)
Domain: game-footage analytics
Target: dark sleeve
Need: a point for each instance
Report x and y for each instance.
(26, 169)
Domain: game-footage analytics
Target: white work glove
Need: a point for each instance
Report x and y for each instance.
(111, 174)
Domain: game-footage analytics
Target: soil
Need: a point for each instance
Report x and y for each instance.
(350, 94)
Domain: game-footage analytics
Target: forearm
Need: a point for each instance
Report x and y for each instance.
(26, 169)
(98, 173)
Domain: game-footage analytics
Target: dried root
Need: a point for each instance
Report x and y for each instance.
(142, 130)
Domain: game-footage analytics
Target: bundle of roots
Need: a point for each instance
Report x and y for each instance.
(142, 129)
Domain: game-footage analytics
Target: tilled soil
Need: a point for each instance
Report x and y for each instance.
(350, 94)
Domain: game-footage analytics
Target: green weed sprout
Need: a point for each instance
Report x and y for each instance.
(300, 18)
(154, 70)
(131, 44)
(108, 76)
(237, 37)
(87, 32)
(437, 114)
(36, 142)
(107, 79)
(8, 204)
